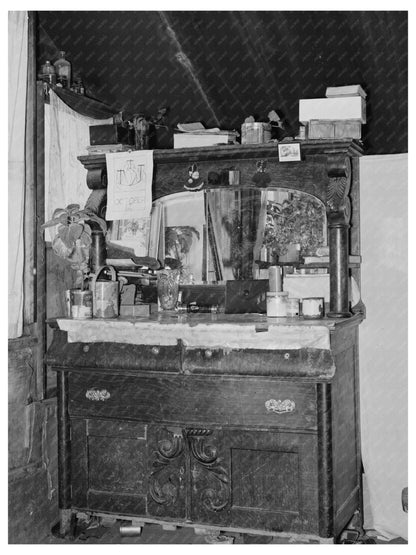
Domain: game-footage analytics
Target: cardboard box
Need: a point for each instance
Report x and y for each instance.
(307, 285)
(134, 310)
(337, 108)
(344, 129)
(194, 140)
(347, 90)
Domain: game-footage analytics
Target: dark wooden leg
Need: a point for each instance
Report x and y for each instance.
(66, 520)
(64, 454)
(354, 531)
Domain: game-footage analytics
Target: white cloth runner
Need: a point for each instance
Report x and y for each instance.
(223, 335)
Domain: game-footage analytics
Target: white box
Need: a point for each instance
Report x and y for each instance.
(307, 285)
(337, 108)
(194, 140)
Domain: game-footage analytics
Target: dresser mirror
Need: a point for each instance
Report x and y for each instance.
(231, 234)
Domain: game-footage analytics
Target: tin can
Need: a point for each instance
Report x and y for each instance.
(81, 304)
(105, 294)
(277, 304)
(256, 132)
(313, 307)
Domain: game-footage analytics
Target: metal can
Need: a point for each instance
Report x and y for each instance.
(277, 304)
(256, 132)
(313, 307)
(81, 304)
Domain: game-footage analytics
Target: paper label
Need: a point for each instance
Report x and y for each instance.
(129, 189)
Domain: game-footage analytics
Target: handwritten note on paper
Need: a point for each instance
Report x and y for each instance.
(129, 189)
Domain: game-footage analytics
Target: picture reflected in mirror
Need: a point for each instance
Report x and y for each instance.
(227, 234)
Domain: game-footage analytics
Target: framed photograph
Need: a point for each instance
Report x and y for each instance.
(289, 152)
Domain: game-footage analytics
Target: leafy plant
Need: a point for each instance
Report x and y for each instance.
(178, 243)
(179, 240)
(72, 241)
(297, 220)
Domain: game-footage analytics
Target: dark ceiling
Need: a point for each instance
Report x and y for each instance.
(220, 67)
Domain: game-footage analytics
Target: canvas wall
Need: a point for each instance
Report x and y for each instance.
(383, 340)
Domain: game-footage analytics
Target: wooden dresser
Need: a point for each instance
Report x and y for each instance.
(221, 422)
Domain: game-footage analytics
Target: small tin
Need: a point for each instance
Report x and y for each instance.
(313, 307)
(293, 307)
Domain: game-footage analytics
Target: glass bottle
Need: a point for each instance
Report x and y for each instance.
(79, 86)
(47, 73)
(63, 70)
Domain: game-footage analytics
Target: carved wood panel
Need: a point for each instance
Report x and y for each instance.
(166, 456)
(210, 476)
(234, 478)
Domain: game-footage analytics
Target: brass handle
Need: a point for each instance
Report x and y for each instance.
(280, 407)
(95, 394)
(208, 353)
(155, 350)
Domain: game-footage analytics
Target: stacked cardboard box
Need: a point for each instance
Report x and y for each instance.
(339, 115)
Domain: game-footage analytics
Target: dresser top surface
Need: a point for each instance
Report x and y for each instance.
(203, 330)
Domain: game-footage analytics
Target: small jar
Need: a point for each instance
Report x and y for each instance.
(292, 307)
(63, 70)
(47, 73)
(277, 304)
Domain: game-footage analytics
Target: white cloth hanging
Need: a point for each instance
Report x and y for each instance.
(66, 138)
(18, 56)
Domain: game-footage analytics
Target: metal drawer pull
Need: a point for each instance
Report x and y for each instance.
(280, 406)
(97, 394)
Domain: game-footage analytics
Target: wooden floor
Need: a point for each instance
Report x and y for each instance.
(154, 534)
(33, 511)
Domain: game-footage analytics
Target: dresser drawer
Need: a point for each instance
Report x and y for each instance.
(193, 400)
(291, 363)
(118, 356)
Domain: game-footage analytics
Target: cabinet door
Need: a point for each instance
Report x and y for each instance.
(256, 480)
(108, 461)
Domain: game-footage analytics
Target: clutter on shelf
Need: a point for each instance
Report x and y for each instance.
(337, 116)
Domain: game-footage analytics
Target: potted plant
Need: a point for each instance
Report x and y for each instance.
(294, 226)
(73, 238)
